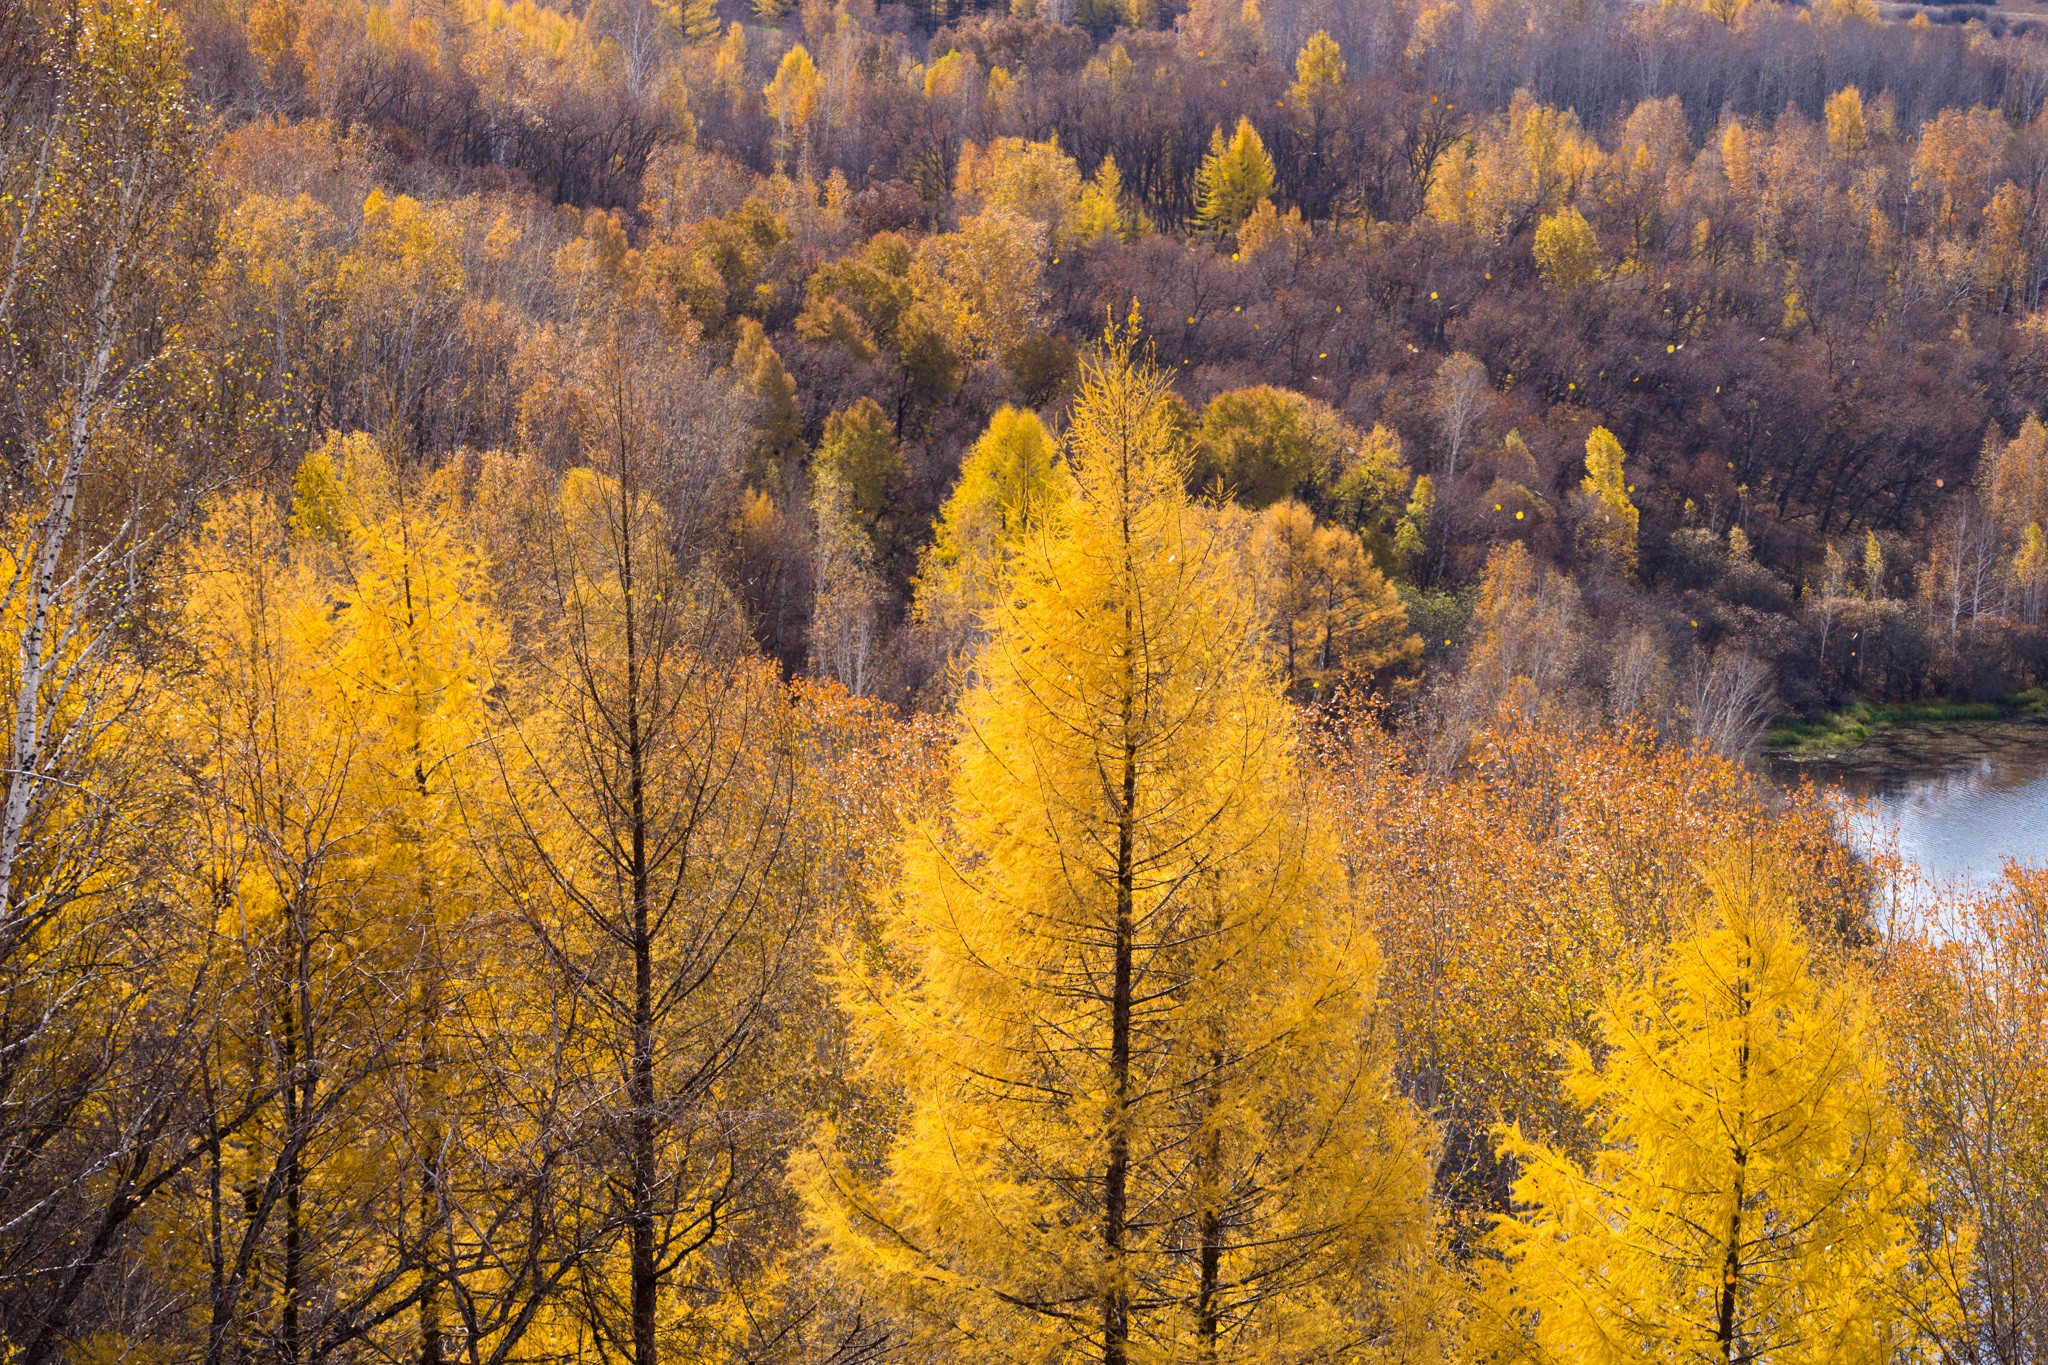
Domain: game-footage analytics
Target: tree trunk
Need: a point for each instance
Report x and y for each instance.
(294, 1176)
(640, 1087)
(1116, 1297)
(1208, 1312)
(1731, 1263)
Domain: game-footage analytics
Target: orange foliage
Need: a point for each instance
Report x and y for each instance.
(1965, 992)
(1510, 898)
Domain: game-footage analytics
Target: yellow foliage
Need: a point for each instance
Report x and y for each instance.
(1737, 160)
(1567, 251)
(2030, 572)
(1102, 211)
(1729, 12)
(1957, 152)
(1873, 567)
(1609, 526)
(1011, 480)
(1034, 180)
(1752, 1189)
(954, 76)
(984, 281)
(1267, 229)
(794, 93)
(1332, 612)
(729, 67)
(1411, 535)
(1529, 160)
(1848, 134)
(1319, 71)
(1123, 1002)
(1233, 179)
(1964, 995)
(2013, 478)
(338, 706)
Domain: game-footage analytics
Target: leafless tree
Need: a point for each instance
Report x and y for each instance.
(1732, 702)
(1458, 399)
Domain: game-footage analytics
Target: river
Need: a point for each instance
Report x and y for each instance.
(1959, 798)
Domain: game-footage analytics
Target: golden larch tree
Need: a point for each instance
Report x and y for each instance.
(1144, 1107)
(338, 674)
(1848, 131)
(649, 855)
(1567, 250)
(1235, 176)
(793, 96)
(1331, 611)
(1012, 477)
(1752, 1196)
(1609, 527)
(1319, 71)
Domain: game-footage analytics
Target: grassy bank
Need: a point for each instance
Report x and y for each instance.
(1833, 731)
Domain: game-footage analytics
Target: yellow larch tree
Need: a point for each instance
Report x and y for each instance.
(793, 97)
(1011, 480)
(420, 657)
(698, 19)
(1319, 74)
(1319, 71)
(1567, 250)
(2007, 256)
(729, 66)
(778, 444)
(1332, 612)
(1103, 211)
(648, 801)
(1411, 533)
(1609, 527)
(1752, 1196)
(301, 1033)
(1144, 1111)
(1873, 567)
(1504, 896)
(340, 668)
(1235, 176)
(1848, 130)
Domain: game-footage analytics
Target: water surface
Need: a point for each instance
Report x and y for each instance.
(1959, 798)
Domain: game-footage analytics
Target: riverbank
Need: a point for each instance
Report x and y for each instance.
(1952, 799)
(1833, 733)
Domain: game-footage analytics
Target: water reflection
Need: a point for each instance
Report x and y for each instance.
(1960, 799)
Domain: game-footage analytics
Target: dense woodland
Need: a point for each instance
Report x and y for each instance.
(850, 683)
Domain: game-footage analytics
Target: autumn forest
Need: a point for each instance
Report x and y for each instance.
(824, 682)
